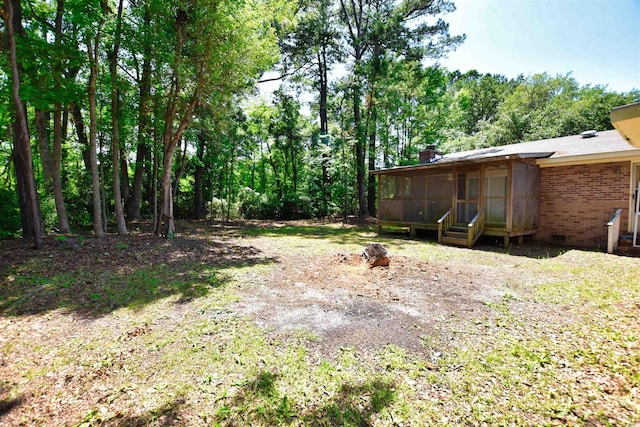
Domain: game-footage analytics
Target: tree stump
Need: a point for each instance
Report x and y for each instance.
(376, 255)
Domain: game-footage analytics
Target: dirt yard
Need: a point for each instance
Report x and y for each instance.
(348, 304)
(338, 297)
(146, 304)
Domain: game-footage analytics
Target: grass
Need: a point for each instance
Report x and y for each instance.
(163, 344)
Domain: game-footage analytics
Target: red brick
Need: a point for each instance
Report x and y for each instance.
(578, 201)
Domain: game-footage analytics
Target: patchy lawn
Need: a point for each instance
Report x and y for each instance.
(283, 324)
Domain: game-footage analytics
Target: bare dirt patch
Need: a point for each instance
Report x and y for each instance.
(348, 304)
(146, 331)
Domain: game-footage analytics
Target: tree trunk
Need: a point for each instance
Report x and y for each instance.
(360, 153)
(135, 196)
(32, 227)
(154, 186)
(171, 138)
(371, 181)
(167, 196)
(103, 186)
(42, 128)
(198, 185)
(355, 19)
(56, 160)
(294, 167)
(93, 132)
(183, 163)
(135, 199)
(170, 142)
(230, 185)
(115, 127)
(324, 128)
(78, 121)
(124, 177)
(56, 154)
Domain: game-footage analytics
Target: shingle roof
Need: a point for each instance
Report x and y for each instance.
(606, 144)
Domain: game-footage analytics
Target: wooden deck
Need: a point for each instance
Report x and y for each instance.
(489, 230)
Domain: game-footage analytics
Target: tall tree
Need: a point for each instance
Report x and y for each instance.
(92, 42)
(357, 19)
(310, 50)
(374, 29)
(42, 129)
(172, 135)
(132, 205)
(217, 48)
(115, 123)
(32, 227)
(56, 154)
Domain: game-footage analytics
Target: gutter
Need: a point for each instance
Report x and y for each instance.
(589, 158)
(444, 162)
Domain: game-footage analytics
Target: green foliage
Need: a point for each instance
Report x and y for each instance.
(491, 110)
(10, 224)
(295, 206)
(260, 159)
(49, 216)
(78, 204)
(410, 110)
(252, 205)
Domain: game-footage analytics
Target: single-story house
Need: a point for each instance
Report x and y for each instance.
(579, 190)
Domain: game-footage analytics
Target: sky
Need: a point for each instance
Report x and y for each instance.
(598, 41)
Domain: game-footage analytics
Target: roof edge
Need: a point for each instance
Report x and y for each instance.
(444, 162)
(590, 158)
(626, 120)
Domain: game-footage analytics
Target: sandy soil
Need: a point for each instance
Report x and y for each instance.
(348, 304)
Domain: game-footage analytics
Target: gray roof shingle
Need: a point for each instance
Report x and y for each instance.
(606, 144)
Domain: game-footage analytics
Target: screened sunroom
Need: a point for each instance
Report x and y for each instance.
(462, 199)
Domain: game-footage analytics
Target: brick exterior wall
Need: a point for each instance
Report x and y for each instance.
(577, 202)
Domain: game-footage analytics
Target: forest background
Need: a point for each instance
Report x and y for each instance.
(115, 111)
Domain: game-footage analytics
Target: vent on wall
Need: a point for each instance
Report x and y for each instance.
(589, 133)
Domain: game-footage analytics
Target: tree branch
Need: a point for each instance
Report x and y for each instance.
(282, 76)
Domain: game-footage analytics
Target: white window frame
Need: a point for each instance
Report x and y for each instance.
(635, 202)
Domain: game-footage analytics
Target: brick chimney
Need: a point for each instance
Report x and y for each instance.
(429, 155)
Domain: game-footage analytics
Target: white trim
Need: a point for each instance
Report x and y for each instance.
(635, 222)
(628, 155)
(634, 177)
(634, 206)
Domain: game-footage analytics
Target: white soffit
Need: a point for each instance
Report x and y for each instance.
(626, 120)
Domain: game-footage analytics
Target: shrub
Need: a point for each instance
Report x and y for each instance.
(49, 214)
(10, 224)
(296, 206)
(249, 203)
(219, 209)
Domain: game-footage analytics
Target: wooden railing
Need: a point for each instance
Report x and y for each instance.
(613, 232)
(444, 223)
(476, 228)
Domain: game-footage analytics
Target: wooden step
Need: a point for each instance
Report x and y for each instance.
(456, 234)
(448, 240)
